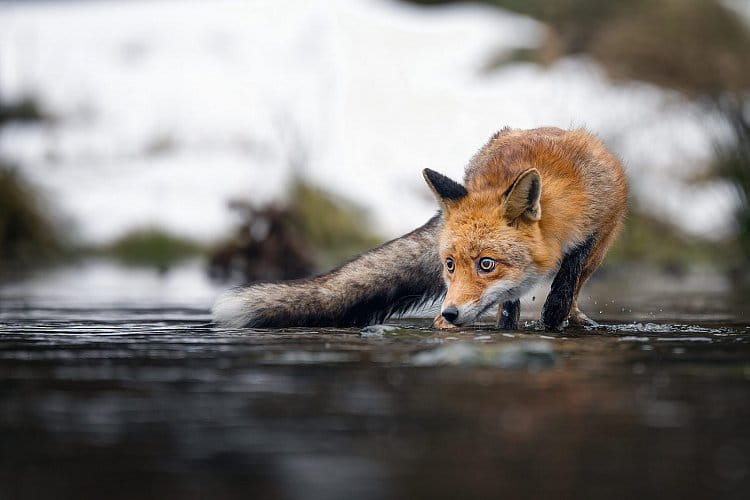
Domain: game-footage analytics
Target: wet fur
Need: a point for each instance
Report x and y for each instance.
(560, 298)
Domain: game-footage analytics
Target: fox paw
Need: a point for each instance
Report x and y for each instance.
(441, 323)
(577, 318)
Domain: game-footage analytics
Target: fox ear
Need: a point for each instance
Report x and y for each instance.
(522, 198)
(445, 190)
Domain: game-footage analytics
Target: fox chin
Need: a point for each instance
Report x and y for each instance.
(533, 203)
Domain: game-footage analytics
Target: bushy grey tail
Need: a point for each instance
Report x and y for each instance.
(390, 279)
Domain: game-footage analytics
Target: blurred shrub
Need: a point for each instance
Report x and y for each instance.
(26, 109)
(28, 236)
(732, 162)
(658, 244)
(151, 247)
(266, 246)
(161, 144)
(336, 228)
(696, 46)
(312, 231)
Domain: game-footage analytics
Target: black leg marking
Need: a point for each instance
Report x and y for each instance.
(557, 306)
(510, 313)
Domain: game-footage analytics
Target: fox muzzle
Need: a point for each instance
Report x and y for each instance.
(450, 313)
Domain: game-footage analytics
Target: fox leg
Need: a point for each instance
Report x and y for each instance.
(508, 315)
(602, 243)
(566, 285)
(577, 317)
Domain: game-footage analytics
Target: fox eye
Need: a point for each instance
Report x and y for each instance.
(486, 264)
(449, 265)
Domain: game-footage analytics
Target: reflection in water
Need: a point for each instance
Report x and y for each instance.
(111, 401)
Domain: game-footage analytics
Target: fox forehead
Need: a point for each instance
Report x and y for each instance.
(492, 239)
(475, 227)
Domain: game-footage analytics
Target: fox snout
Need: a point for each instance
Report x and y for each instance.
(450, 313)
(460, 315)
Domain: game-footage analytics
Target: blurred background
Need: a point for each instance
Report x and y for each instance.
(155, 152)
(165, 149)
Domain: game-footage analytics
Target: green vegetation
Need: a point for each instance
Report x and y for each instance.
(151, 247)
(336, 228)
(313, 231)
(28, 235)
(652, 242)
(733, 163)
(699, 47)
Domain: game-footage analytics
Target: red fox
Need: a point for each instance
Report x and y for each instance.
(535, 203)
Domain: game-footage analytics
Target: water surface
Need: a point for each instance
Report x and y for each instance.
(107, 399)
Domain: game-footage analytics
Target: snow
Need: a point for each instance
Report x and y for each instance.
(167, 109)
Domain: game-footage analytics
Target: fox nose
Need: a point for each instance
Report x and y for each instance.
(450, 313)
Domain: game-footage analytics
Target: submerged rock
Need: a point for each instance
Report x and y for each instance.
(532, 355)
(377, 330)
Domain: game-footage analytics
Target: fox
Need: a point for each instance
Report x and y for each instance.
(534, 204)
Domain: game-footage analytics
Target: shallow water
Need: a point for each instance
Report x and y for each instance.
(121, 400)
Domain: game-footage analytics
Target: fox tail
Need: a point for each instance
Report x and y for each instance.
(390, 279)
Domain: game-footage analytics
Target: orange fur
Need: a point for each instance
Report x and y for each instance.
(583, 193)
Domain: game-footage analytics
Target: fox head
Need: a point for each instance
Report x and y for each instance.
(490, 243)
